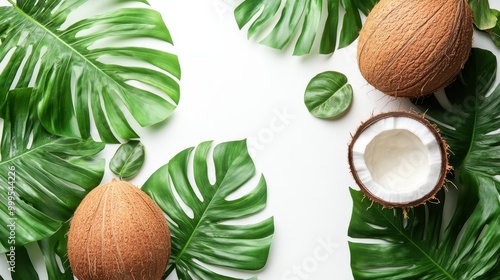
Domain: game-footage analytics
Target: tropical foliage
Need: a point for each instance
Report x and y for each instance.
(303, 23)
(304, 18)
(48, 175)
(128, 159)
(328, 95)
(74, 67)
(427, 245)
(486, 19)
(201, 211)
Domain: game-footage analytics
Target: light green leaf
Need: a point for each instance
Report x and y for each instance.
(259, 14)
(75, 83)
(128, 159)
(426, 246)
(46, 176)
(495, 31)
(484, 17)
(328, 95)
(208, 235)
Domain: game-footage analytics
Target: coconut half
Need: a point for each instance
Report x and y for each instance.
(398, 159)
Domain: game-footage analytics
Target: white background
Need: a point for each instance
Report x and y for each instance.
(233, 88)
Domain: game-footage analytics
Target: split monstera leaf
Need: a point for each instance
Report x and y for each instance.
(281, 21)
(428, 245)
(63, 78)
(76, 73)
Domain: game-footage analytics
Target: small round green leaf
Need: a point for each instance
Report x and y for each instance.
(128, 159)
(328, 95)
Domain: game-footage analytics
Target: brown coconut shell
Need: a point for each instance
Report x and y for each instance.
(118, 232)
(411, 48)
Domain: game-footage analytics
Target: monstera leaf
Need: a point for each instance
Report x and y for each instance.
(85, 71)
(304, 17)
(45, 177)
(201, 212)
(426, 246)
(56, 247)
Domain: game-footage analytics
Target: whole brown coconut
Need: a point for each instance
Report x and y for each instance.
(118, 232)
(410, 48)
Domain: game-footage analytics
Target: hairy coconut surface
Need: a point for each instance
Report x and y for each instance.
(410, 48)
(118, 232)
(398, 159)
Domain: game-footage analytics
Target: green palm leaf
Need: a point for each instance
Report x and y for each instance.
(66, 65)
(208, 236)
(45, 176)
(53, 248)
(303, 17)
(426, 246)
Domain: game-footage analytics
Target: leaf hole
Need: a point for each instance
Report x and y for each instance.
(36, 69)
(92, 30)
(152, 89)
(23, 37)
(56, 8)
(244, 189)
(20, 69)
(212, 177)
(376, 226)
(494, 132)
(191, 178)
(6, 60)
(450, 204)
(238, 274)
(187, 210)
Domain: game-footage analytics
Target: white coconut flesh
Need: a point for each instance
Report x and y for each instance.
(398, 159)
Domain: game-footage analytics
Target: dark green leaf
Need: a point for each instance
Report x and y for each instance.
(23, 268)
(427, 247)
(365, 6)
(128, 159)
(419, 249)
(53, 248)
(351, 24)
(260, 13)
(467, 128)
(47, 176)
(75, 84)
(208, 236)
(329, 37)
(328, 95)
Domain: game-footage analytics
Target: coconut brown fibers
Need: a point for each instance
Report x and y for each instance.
(410, 48)
(118, 232)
